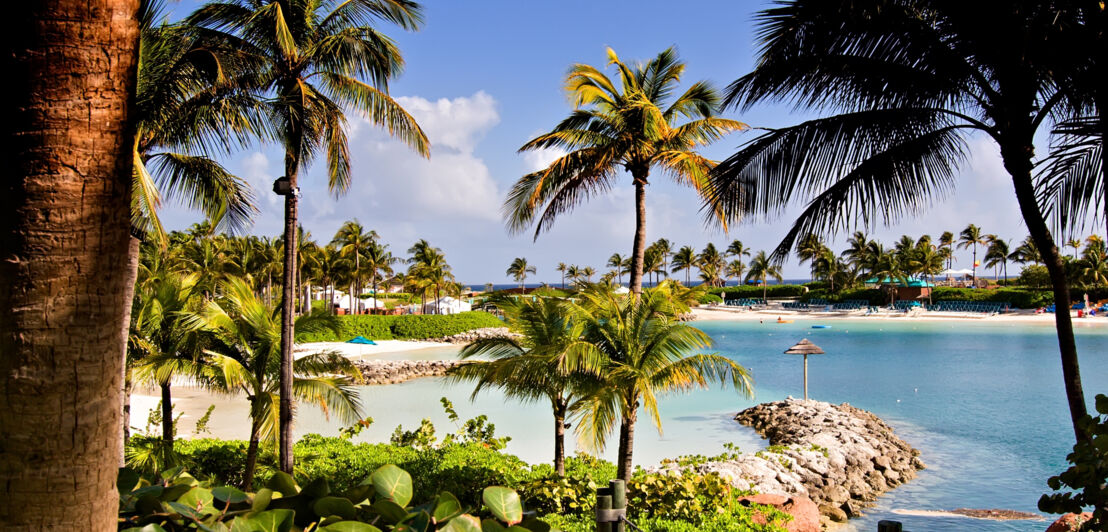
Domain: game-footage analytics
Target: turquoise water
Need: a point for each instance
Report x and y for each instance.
(983, 402)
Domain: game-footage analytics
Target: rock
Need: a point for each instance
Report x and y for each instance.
(475, 334)
(833, 513)
(377, 372)
(804, 511)
(1069, 522)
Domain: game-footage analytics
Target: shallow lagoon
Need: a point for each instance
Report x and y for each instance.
(984, 402)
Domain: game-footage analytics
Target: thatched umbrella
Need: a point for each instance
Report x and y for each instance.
(804, 347)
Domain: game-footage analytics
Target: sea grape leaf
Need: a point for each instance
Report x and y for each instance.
(503, 503)
(126, 480)
(261, 499)
(393, 483)
(392, 512)
(462, 523)
(446, 507)
(335, 506)
(349, 526)
(283, 483)
(228, 494)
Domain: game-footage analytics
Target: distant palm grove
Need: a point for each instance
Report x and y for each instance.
(114, 109)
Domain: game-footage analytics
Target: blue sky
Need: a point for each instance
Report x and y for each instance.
(485, 76)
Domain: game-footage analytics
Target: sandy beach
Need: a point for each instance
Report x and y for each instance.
(720, 312)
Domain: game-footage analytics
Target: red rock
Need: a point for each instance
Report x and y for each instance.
(1069, 522)
(804, 511)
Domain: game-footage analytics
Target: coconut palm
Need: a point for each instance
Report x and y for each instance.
(333, 266)
(1026, 252)
(244, 357)
(634, 127)
(684, 259)
(653, 262)
(761, 268)
(529, 368)
(807, 249)
(618, 263)
(353, 240)
(587, 272)
(910, 81)
(857, 252)
(737, 249)
(996, 256)
(429, 271)
(1074, 243)
(378, 263)
(561, 268)
(317, 60)
(638, 350)
(970, 237)
(1093, 266)
(665, 249)
(946, 242)
(519, 270)
(735, 270)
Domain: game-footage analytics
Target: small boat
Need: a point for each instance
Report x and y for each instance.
(779, 320)
(821, 326)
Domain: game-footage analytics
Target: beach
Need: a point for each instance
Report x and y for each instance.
(722, 313)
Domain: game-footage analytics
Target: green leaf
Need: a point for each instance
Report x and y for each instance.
(393, 483)
(149, 504)
(185, 510)
(536, 525)
(447, 507)
(228, 494)
(152, 527)
(175, 492)
(261, 499)
(392, 512)
(420, 522)
(462, 523)
(283, 483)
(316, 489)
(267, 521)
(198, 498)
(489, 525)
(503, 503)
(126, 480)
(335, 506)
(350, 526)
(1102, 403)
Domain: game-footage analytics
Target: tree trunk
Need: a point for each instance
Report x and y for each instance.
(560, 437)
(133, 250)
(288, 294)
(128, 386)
(1017, 162)
(65, 194)
(167, 421)
(639, 247)
(251, 452)
(626, 444)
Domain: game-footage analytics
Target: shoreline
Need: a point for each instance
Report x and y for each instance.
(721, 313)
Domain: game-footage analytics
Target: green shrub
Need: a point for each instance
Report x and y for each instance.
(407, 327)
(751, 291)
(1035, 276)
(1018, 297)
(707, 299)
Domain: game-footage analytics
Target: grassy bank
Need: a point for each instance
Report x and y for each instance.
(408, 327)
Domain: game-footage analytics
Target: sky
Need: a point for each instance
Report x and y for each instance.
(483, 77)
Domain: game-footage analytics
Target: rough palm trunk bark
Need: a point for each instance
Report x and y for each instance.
(251, 448)
(64, 227)
(1017, 161)
(133, 249)
(638, 249)
(560, 437)
(288, 295)
(167, 420)
(626, 445)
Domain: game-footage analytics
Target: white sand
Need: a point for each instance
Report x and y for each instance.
(1020, 316)
(362, 350)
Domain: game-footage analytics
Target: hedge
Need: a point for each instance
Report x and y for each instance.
(751, 291)
(406, 327)
(1019, 298)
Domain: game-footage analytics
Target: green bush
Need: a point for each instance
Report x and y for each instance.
(1034, 275)
(751, 291)
(406, 327)
(707, 299)
(1018, 297)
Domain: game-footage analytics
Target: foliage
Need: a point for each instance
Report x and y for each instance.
(416, 326)
(751, 291)
(1019, 298)
(1086, 475)
(706, 299)
(1034, 275)
(379, 502)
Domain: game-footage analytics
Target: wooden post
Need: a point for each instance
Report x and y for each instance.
(889, 526)
(619, 500)
(805, 377)
(603, 502)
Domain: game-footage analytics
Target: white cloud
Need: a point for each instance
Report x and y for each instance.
(541, 158)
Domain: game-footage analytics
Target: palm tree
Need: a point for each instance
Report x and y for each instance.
(561, 268)
(587, 272)
(1074, 243)
(378, 262)
(64, 238)
(857, 252)
(665, 249)
(332, 267)
(429, 271)
(761, 267)
(735, 270)
(574, 273)
(946, 242)
(353, 241)
(996, 256)
(684, 259)
(630, 127)
(971, 237)
(1026, 252)
(1093, 267)
(737, 249)
(318, 59)
(519, 270)
(529, 368)
(638, 350)
(910, 81)
(244, 356)
(616, 262)
(653, 262)
(808, 249)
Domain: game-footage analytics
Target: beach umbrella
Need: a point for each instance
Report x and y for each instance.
(361, 340)
(804, 347)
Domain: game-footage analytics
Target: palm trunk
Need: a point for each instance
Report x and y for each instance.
(128, 385)
(560, 437)
(288, 293)
(639, 246)
(167, 420)
(65, 192)
(626, 445)
(251, 452)
(133, 250)
(1017, 162)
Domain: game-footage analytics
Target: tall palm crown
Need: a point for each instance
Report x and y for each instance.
(684, 259)
(519, 270)
(970, 237)
(908, 81)
(618, 263)
(762, 267)
(317, 58)
(634, 127)
(353, 241)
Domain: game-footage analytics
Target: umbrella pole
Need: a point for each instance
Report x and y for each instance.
(805, 377)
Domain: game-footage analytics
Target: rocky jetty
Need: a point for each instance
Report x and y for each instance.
(840, 457)
(396, 371)
(475, 334)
